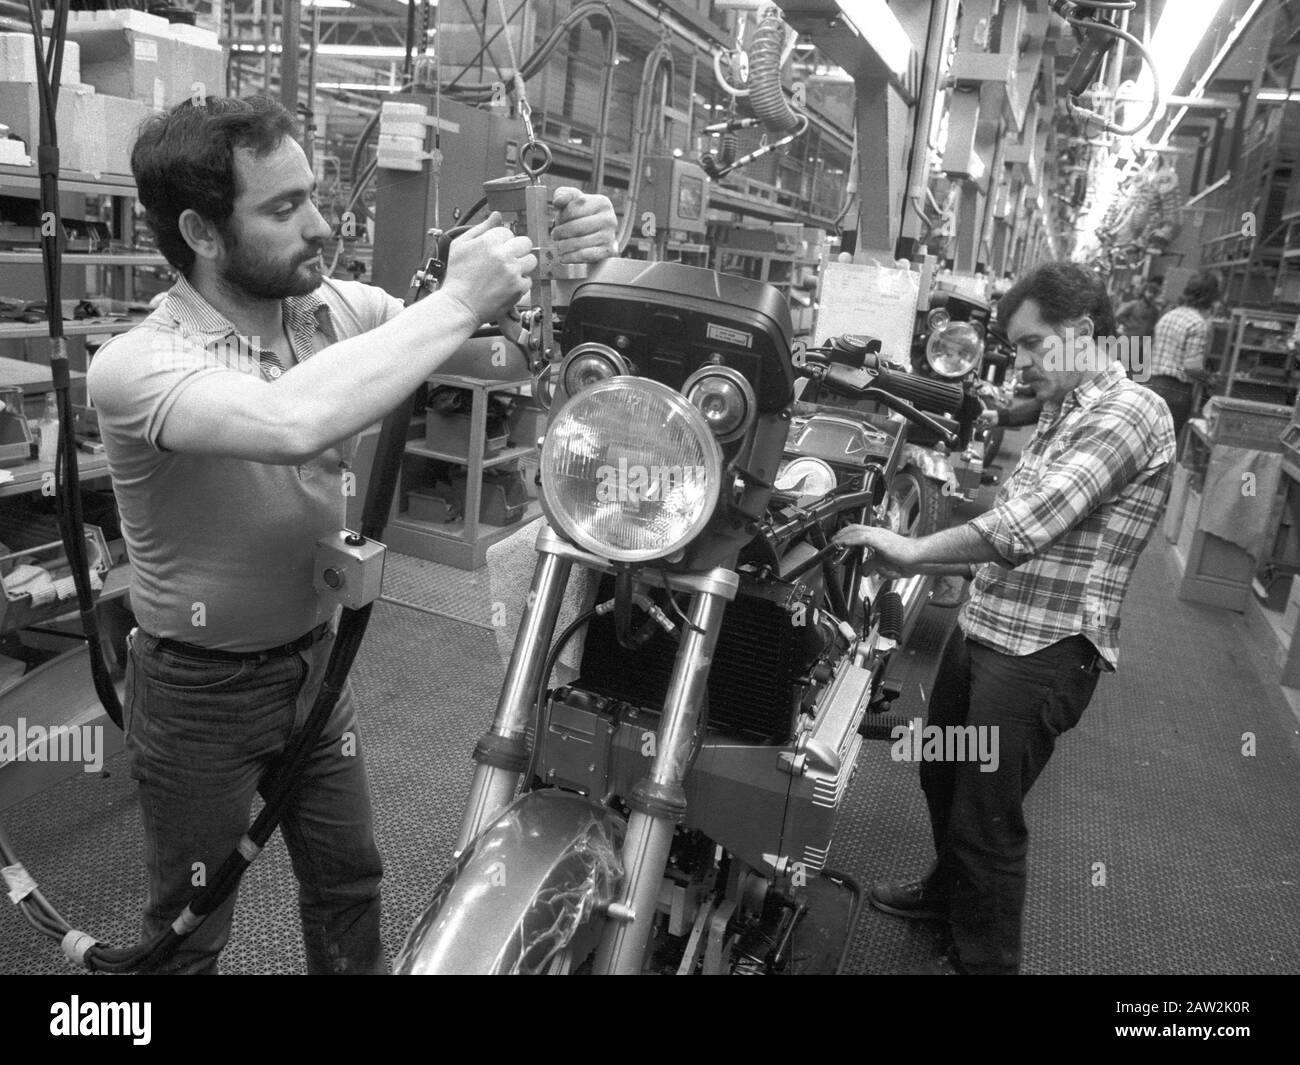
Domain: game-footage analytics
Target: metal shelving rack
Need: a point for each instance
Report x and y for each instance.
(1259, 357)
(461, 543)
(122, 189)
(31, 476)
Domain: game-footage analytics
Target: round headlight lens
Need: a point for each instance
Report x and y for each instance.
(725, 399)
(630, 470)
(588, 364)
(955, 349)
(937, 319)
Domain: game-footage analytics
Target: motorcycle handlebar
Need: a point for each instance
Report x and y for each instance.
(924, 393)
(819, 512)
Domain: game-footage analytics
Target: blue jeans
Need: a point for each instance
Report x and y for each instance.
(978, 818)
(202, 737)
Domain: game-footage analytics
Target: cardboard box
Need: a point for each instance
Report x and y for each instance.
(126, 62)
(122, 120)
(18, 60)
(197, 68)
(143, 58)
(83, 139)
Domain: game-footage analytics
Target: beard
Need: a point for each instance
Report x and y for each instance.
(255, 274)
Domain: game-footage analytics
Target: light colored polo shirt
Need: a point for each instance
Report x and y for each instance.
(221, 548)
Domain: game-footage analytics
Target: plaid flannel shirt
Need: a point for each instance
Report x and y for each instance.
(1072, 520)
(1180, 335)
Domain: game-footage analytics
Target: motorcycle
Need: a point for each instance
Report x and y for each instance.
(958, 339)
(680, 794)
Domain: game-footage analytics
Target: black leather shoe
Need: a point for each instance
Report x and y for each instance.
(907, 900)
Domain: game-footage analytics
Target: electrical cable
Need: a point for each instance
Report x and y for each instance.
(726, 86)
(1105, 125)
(541, 717)
(661, 56)
(67, 480)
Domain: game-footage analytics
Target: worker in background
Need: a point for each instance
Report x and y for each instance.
(1138, 317)
(1050, 562)
(1182, 341)
(229, 417)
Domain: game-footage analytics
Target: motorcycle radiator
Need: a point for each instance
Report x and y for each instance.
(755, 682)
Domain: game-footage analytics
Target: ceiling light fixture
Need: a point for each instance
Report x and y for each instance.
(1179, 33)
(879, 27)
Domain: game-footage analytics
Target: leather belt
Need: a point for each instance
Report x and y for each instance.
(212, 654)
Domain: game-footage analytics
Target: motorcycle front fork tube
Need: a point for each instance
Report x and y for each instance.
(659, 801)
(502, 752)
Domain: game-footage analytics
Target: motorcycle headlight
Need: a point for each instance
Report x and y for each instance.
(588, 364)
(725, 399)
(937, 319)
(630, 469)
(955, 349)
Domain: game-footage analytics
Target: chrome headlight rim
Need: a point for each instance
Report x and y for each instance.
(713, 463)
(617, 364)
(969, 363)
(741, 382)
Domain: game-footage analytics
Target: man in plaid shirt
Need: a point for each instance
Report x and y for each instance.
(1051, 562)
(1182, 340)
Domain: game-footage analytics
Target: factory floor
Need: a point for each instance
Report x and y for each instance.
(1156, 845)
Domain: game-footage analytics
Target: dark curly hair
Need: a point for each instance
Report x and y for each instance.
(1201, 291)
(185, 160)
(1063, 291)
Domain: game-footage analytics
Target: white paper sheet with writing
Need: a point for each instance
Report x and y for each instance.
(877, 300)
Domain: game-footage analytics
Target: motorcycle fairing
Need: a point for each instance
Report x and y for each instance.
(674, 319)
(523, 893)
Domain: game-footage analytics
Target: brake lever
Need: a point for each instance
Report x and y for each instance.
(909, 412)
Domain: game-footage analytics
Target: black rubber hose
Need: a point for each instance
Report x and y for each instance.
(889, 609)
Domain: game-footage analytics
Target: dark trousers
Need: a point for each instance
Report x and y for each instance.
(203, 738)
(1177, 396)
(977, 817)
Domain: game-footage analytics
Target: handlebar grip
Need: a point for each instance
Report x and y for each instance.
(924, 393)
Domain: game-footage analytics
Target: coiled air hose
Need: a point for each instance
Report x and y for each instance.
(766, 96)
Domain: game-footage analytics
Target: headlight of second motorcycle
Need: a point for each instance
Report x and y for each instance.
(955, 349)
(630, 469)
